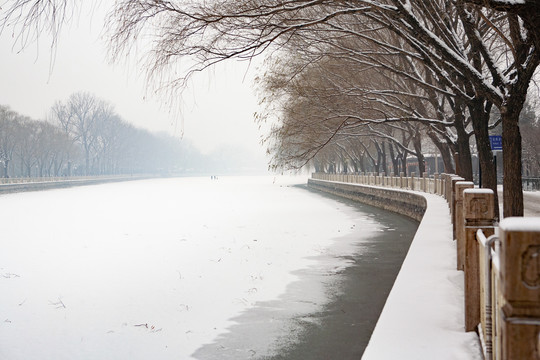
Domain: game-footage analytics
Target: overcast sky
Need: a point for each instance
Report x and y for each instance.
(217, 109)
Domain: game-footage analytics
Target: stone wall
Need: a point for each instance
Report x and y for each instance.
(402, 202)
(58, 184)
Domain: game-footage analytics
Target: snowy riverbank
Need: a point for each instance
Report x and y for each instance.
(423, 317)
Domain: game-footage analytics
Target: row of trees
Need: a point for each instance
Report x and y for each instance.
(389, 74)
(350, 70)
(83, 136)
(343, 116)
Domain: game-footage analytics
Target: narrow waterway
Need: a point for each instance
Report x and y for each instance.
(356, 293)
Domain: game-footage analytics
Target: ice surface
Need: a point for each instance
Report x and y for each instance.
(150, 269)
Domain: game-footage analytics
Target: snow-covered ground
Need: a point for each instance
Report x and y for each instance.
(423, 317)
(152, 269)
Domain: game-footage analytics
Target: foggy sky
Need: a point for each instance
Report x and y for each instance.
(217, 108)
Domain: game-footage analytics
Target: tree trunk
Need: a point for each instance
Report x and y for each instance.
(464, 157)
(512, 184)
(6, 164)
(417, 144)
(383, 154)
(394, 158)
(480, 121)
(446, 153)
(361, 164)
(404, 168)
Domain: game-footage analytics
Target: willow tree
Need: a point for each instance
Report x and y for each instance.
(201, 33)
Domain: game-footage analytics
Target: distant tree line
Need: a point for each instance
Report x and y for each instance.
(347, 71)
(530, 123)
(83, 136)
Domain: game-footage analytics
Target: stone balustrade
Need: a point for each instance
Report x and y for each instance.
(501, 272)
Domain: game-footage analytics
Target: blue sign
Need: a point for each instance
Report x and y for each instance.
(496, 142)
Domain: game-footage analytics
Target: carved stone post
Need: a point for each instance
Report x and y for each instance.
(460, 221)
(479, 213)
(453, 180)
(519, 323)
(437, 178)
(448, 190)
(442, 176)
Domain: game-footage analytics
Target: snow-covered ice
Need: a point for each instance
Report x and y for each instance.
(151, 269)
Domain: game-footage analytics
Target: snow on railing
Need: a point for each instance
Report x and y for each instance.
(436, 184)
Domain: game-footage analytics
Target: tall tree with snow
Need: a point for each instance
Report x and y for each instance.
(485, 51)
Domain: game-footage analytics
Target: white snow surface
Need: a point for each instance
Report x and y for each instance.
(154, 269)
(423, 317)
(525, 224)
(478, 191)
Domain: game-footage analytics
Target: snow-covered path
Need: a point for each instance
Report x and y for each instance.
(423, 317)
(152, 269)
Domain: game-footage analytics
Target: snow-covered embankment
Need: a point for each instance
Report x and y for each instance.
(423, 317)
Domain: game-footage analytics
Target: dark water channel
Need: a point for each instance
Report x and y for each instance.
(294, 327)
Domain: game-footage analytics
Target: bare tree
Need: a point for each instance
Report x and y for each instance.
(81, 118)
(8, 137)
(452, 38)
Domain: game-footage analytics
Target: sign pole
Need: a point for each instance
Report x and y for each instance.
(495, 141)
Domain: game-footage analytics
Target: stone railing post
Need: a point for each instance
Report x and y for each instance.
(425, 179)
(401, 175)
(461, 186)
(411, 183)
(519, 322)
(479, 214)
(452, 202)
(448, 189)
(442, 179)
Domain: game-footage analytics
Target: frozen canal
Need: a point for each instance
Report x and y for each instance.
(193, 268)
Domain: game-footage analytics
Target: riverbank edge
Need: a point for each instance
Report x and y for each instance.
(423, 317)
(49, 185)
(402, 202)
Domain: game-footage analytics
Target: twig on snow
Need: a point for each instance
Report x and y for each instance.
(59, 304)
